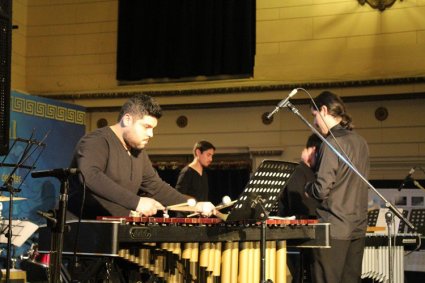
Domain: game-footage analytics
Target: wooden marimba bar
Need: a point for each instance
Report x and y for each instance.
(219, 260)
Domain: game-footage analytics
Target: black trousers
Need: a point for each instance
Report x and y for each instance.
(342, 263)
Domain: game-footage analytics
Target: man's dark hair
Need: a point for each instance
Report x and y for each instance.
(139, 106)
(313, 140)
(335, 107)
(203, 146)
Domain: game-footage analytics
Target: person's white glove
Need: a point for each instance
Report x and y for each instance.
(148, 206)
(205, 208)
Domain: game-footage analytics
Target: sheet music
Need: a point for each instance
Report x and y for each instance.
(21, 231)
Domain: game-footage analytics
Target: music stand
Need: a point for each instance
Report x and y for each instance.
(21, 231)
(31, 147)
(267, 182)
(260, 197)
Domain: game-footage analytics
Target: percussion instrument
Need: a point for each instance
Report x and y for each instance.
(375, 258)
(203, 248)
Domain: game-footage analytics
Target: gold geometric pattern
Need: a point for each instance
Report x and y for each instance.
(49, 111)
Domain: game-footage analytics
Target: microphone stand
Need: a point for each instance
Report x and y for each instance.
(389, 218)
(391, 208)
(58, 229)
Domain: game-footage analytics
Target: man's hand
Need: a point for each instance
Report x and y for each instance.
(148, 206)
(308, 155)
(206, 208)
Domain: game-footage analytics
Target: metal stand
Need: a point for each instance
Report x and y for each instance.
(57, 233)
(389, 217)
(263, 215)
(259, 199)
(8, 186)
(257, 206)
(257, 212)
(57, 220)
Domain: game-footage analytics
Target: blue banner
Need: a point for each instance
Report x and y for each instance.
(58, 126)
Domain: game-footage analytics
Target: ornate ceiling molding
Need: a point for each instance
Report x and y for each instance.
(230, 90)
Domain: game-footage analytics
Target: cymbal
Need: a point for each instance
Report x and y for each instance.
(5, 198)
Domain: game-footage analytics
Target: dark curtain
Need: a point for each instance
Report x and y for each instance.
(169, 175)
(185, 38)
(227, 182)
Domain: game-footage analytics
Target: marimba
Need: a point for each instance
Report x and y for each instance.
(205, 249)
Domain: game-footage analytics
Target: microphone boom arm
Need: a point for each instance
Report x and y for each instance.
(387, 203)
(282, 103)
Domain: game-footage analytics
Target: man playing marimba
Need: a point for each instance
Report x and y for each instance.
(118, 173)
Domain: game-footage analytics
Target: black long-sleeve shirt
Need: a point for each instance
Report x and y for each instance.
(343, 193)
(292, 200)
(192, 184)
(114, 179)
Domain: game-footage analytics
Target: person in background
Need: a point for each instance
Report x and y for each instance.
(117, 170)
(292, 200)
(343, 194)
(193, 179)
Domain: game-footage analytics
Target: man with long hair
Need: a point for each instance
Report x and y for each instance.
(343, 194)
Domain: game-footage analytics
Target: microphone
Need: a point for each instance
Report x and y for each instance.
(407, 178)
(58, 173)
(282, 103)
(49, 215)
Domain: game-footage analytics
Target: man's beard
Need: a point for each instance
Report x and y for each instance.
(132, 146)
